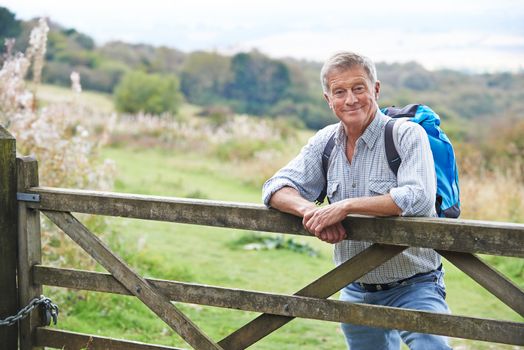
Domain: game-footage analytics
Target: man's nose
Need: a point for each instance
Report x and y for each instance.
(351, 98)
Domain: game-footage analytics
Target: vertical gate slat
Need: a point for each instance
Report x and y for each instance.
(29, 250)
(324, 287)
(149, 295)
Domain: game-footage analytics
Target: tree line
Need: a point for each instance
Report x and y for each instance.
(157, 79)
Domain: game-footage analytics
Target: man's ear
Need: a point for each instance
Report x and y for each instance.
(377, 90)
(326, 97)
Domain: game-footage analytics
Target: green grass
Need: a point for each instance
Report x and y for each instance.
(97, 100)
(210, 256)
(167, 173)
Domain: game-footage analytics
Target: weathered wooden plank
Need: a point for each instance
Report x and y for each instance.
(8, 239)
(489, 278)
(182, 210)
(29, 250)
(296, 306)
(469, 236)
(149, 295)
(323, 287)
(66, 340)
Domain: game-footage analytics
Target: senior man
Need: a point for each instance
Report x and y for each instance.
(359, 181)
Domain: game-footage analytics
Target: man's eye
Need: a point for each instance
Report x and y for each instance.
(359, 89)
(338, 92)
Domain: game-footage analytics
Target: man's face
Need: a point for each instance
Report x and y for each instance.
(352, 96)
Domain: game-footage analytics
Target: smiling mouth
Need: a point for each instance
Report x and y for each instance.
(354, 109)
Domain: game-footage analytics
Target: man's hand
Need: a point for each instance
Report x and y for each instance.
(325, 223)
(288, 200)
(318, 219)
(333, 234)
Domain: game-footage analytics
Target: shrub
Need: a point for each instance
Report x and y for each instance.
(148, 93)
(257, 241)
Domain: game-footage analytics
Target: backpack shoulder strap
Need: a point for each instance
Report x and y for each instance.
(390, 134)
(391, 143)
(391, 150)
(326, 154)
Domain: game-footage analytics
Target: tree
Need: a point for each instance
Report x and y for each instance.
(81, 39)
(258, 82)
(144, 57)
(10, 27)
(149, 93)
(204, 76)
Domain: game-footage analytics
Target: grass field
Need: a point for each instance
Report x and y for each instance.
(103, 103)
(210, 256)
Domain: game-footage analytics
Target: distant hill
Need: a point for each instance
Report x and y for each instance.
(254, 83)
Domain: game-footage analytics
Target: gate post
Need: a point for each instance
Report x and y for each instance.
(29, 251)
(8, 239)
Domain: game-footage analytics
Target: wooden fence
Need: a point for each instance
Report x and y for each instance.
(456, 240)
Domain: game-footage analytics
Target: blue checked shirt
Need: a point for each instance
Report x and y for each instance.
(413, 190)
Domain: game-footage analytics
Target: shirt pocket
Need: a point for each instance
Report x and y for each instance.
(380, 186)
(332, 191)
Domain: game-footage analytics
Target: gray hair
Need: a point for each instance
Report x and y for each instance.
(345, 60)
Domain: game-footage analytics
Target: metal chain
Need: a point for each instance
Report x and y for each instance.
(51, 311)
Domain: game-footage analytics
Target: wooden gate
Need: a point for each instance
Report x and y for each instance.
(456, 240)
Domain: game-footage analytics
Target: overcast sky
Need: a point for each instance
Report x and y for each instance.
(477, 35)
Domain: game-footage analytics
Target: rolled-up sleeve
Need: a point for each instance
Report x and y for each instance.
(304, 173)
(416, 179)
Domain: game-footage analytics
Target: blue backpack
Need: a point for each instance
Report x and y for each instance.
(447, 201)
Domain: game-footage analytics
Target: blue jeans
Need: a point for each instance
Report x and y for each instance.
(426, 292)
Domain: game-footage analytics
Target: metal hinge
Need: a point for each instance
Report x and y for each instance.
(28, 197)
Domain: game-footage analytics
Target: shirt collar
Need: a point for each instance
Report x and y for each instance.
(370, 135)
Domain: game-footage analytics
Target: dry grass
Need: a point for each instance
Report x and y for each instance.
(493, 196)
(491, 190)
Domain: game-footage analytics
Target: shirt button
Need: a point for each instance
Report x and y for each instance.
(354, 185)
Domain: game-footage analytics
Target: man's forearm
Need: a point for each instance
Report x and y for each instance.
(374, 206)
(288, 200)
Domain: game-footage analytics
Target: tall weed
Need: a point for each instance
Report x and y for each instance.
(58, 135)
